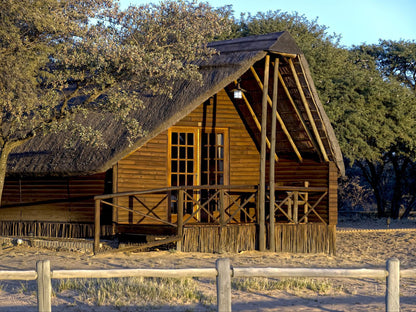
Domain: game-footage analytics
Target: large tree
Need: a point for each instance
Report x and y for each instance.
(365, 91)
(61, 58)
(396, 62)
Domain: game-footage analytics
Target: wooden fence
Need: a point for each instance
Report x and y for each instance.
(223, 272)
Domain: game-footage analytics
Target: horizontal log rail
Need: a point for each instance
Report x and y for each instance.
(223, 272)
(175, 188)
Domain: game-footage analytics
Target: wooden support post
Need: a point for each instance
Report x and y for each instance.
(272, 243)
(289, 206)
(393, 285)
(222, 221)
(223, 285)
(262, 190)
(306, 202)
(43, 270)
(180, 203)
(97, 225)
(222, 207)
(295, 206)
(114, 218)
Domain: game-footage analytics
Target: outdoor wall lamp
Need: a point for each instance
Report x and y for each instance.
(238, 92)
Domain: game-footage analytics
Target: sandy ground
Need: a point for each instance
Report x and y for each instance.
(355, 249)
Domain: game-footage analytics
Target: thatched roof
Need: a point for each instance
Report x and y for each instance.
(46, 155)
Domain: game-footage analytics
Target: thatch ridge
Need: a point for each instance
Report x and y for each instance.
(274, 42)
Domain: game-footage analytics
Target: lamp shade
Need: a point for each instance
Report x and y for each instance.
(238, 94)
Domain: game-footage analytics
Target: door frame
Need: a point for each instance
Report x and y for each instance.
(198, 151)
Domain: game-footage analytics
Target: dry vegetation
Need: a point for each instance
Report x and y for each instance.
(356, 249)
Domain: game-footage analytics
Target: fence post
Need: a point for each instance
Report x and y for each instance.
(393, 285)
(223, 285)
(180, 203)
(97, 225)
(43, 269)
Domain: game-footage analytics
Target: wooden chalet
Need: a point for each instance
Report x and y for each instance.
(247, 160)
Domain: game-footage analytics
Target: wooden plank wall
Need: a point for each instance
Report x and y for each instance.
(51, 199)
(144, 169)
(147, 167)
(333, 193)
(293, 173)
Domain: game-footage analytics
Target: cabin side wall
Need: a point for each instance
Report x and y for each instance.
(44, 206)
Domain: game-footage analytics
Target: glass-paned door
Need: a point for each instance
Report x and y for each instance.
(183, 163)
(212, 170)
(196, 157)
(212, 158)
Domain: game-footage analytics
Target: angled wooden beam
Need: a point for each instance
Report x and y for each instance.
(313, 93)
(291, 55)
(308, 111)
(279, 118)
(256, 120)
(299, 114)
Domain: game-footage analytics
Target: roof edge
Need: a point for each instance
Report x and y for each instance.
(334, 145)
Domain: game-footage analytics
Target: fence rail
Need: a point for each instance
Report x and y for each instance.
(223, 272)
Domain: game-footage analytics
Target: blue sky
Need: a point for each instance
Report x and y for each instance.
(357, 21)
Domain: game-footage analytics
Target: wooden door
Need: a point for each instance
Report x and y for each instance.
(197, 157)
(183, 165)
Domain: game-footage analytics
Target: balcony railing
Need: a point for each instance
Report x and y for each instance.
(216, 204)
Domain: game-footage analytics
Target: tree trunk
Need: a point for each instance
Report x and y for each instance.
(372, 173)
(409, 208)
(5, 151)
(399, 170)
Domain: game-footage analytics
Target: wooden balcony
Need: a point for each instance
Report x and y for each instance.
(198, 208)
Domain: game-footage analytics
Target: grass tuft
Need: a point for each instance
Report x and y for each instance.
(135, 290)
(320, 286)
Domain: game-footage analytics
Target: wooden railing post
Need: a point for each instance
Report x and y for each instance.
(295, 206)
(306, 200)
(97, 225)
(393, 285)
(43, 270)
(222, 221)
(223, 285)
(180, 203)
(222, 207)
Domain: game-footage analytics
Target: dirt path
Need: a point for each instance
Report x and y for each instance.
(355, 249)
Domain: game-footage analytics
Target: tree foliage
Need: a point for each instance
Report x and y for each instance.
(366, 94)
(395, 59)
(62, 58)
